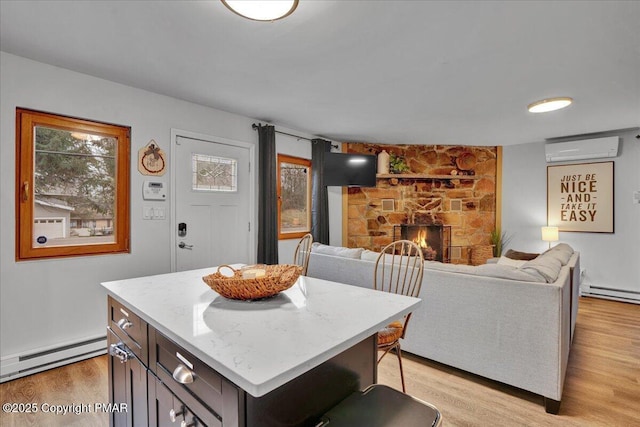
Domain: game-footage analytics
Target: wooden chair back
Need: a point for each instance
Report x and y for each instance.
(399, 270)
(303, 252)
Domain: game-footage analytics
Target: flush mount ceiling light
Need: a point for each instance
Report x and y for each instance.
(550, 104)
(262, 10)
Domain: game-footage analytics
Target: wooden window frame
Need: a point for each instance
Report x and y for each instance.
(26, 121)
(283, 158)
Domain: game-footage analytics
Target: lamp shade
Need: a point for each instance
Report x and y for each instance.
(550, 234)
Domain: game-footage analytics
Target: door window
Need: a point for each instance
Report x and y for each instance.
(212, 173)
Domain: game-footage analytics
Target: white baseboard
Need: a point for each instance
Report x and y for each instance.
(42, 359)
(612, 294)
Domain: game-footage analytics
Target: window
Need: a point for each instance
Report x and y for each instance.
(72, 188)
(294, 196)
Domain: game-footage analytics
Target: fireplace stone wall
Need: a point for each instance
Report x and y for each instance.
(466, 201)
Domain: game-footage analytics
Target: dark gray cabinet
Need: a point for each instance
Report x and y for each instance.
(165, 385)
(127, 371)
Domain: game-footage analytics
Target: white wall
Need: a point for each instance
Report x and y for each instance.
(610, 260)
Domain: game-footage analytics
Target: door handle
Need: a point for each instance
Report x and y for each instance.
(183, 245)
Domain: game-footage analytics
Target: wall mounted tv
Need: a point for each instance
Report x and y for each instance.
(343, 169)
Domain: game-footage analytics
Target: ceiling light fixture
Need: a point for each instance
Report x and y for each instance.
(262, 10)
(550, 104)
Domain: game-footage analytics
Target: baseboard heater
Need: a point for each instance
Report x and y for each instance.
(612, 294)
(16, 366)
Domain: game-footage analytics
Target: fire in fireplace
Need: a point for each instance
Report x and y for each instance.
(435, 240)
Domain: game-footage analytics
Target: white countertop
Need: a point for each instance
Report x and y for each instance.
(260, 345)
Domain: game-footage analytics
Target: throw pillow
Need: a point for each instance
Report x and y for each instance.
(520, 255)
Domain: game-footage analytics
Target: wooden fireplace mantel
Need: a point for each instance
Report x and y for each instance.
(423, 176)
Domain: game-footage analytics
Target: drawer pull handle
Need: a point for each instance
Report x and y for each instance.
(173, 415)
(120, 351)
(183, 375)
(124, 323)
(185, 424)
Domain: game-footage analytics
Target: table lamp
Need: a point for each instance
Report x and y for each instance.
(550, 234)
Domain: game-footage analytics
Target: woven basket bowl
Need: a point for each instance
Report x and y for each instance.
(277, 278)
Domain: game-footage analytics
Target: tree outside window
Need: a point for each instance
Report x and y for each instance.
(294, 196)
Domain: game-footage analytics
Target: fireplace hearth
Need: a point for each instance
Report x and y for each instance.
(435, 240)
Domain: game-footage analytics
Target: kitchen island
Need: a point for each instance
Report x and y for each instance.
(207, 360)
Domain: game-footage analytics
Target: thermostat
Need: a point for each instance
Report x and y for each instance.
(153, 190)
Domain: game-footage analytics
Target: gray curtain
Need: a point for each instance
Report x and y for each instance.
(267, 196)
(319, 197)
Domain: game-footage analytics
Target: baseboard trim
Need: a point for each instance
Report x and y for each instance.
(611, 294)
(16, 366)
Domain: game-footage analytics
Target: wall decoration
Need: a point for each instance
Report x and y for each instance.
(580, 197)
(152, 160)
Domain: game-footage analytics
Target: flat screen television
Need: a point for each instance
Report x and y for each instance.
(346, 169)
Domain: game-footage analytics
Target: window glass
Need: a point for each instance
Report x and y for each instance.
(74, 176)
(294, 195)
(211, 173)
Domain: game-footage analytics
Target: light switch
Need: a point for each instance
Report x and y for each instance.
(158, 213)
(147, 212)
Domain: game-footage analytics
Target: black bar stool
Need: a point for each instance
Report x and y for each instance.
(381, 406)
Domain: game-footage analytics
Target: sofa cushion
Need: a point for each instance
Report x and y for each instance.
(489, 270)
(562, 252)
(368, 255)
(520, 255)
(548, 266)
(337, 250)
(504, 260)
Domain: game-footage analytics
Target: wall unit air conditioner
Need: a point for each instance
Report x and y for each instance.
(584, 149)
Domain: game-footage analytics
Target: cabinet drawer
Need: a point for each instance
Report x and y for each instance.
(188, 377)
(165, 409)
(129, 328)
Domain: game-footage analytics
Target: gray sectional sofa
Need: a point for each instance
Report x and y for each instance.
(509, 322)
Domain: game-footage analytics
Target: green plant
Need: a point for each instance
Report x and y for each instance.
(397, 164)
(499, 240)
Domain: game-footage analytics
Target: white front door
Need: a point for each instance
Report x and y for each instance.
(213, 208)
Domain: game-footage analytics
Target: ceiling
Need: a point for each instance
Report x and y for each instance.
(393, 72)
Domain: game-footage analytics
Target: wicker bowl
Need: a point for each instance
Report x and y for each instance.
(277, 278)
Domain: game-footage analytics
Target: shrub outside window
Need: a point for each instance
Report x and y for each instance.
(72, 188)
(294, 196)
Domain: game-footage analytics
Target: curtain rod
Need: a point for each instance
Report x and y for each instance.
(255, 127)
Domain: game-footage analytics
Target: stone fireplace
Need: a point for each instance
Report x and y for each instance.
(441, 187)
(434, 240)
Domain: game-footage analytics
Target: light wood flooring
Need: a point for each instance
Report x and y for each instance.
(602, 387)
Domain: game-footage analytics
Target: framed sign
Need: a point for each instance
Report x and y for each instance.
(580, 197)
